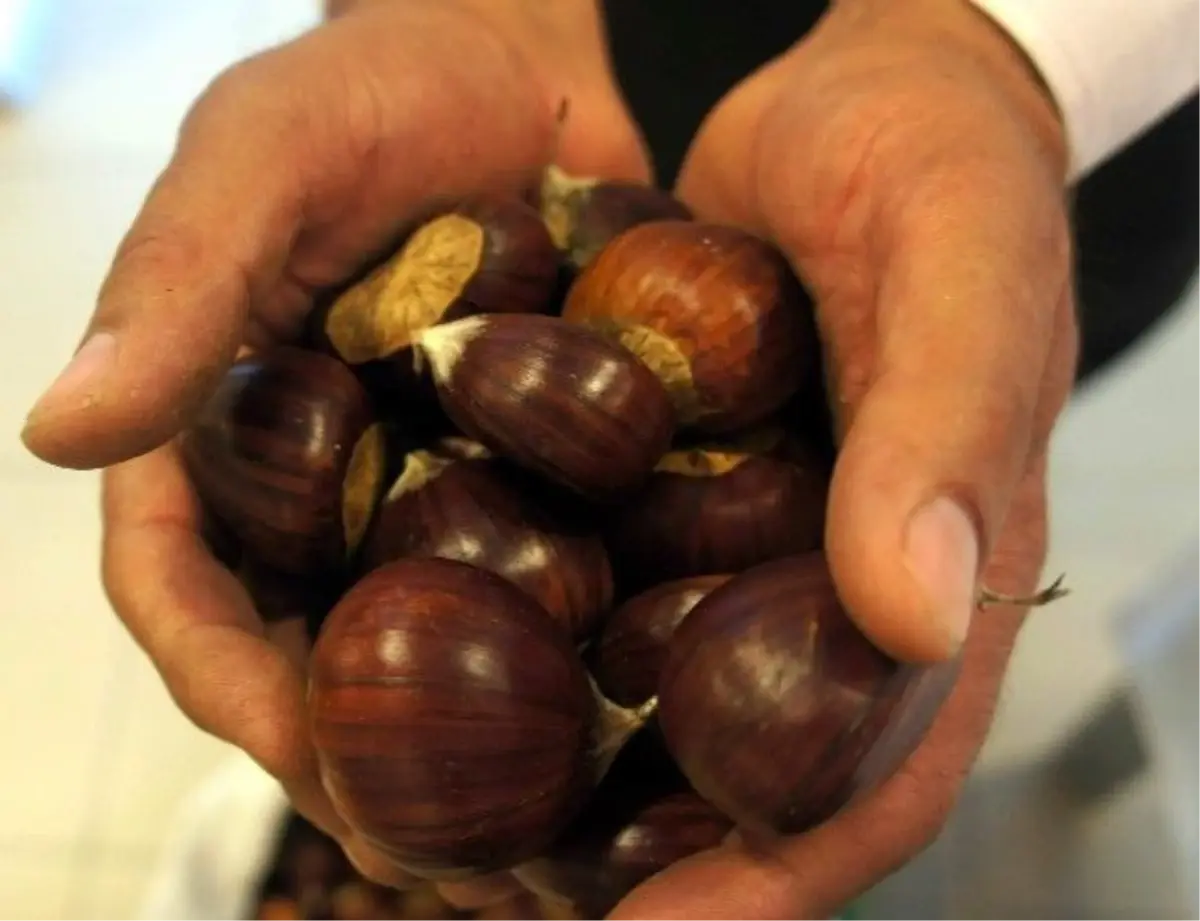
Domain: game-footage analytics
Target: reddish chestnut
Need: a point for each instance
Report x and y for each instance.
(464, 509)
(628, 833)
(482, 255)
(552, 397)
(455, 725)
(289, 455)
(716, 313)
(720, 508)
(778, 709)
(584, 213)
(631, 650)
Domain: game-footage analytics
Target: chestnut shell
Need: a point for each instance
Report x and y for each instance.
(288, 455)
(465, 509)
(629, 654)
(717, 312)
(584, 214)
(554, 398)
(451, 717)
(704, 510)
(778, 709)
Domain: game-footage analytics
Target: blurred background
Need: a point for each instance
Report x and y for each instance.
(1083, 804)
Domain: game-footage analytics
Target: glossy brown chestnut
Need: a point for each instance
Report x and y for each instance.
(289, 455)
(484, 254)
(720, 508)
(552, 397)
(464, 509)
(455, 725)
(584, 213)
(778, 709)
(715, 312)
(630, 652)
(626, 835)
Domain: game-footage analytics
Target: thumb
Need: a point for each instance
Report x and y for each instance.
(289, 169)
(214, 231)
(967, 317)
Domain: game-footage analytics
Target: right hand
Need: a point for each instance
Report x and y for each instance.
(290, 171)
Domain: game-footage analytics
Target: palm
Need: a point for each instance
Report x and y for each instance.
(878, 175)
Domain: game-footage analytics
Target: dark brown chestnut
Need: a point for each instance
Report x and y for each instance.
(778, 709)
(720, 508)
(462, 508)
(289, 455)
(629, 654)
(483, 254)
(584, 213)
(455, 725)
(714, 311)
(628, 833)
(552, 397)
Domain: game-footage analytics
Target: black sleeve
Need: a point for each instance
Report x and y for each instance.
(1135, 217)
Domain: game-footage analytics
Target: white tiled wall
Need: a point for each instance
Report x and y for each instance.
(93, 756)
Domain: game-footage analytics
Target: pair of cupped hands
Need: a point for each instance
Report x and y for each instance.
(905, 157)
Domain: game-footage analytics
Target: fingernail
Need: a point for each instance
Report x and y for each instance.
(82, 374)
(942, 552)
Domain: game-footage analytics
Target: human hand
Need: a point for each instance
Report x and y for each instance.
(291, 170)
(908, 161)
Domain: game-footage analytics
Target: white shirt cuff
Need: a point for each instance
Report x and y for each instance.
(1115, 67)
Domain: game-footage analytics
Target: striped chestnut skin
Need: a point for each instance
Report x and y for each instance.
(289, 455)
(714, 311)
(778, 710)
(450, 716)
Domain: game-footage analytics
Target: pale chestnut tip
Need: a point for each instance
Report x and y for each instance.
(442, 346)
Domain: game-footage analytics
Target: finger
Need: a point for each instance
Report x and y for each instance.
(816, 874)
(942, 412)
(213, 232)
(292, 167)
(199, 628)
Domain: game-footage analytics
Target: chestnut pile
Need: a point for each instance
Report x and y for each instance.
(547, 481)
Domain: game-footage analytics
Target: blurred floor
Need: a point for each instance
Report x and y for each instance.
(95, 755)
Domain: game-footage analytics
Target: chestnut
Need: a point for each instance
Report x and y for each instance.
(778, 710)
(714, 311)
(628, 833)
(288, 454)
(483, 254)
(455, 725)
(720, 508)
(584, 213)
(462, 508)
(629, 654)
(552, 397)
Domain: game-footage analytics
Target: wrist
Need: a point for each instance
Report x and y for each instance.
(959, 28)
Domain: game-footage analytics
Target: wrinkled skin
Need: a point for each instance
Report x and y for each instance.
(903, 155)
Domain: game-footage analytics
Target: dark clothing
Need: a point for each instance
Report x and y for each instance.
(1135, 218)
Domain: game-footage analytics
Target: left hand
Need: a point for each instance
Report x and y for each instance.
(909, 162)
